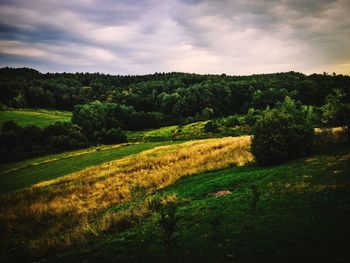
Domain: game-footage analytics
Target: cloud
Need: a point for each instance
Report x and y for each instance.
(203, 36)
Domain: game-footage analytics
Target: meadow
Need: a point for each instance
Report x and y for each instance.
(39, 117)
(302, 215)
(174, 132)
(17, 175)
(58, 213)
(113, 210)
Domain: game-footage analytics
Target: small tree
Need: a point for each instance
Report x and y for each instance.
(282, 133)
(167, 222)
(211, 126)
(336, 111)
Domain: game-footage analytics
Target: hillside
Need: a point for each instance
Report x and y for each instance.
(17, 175)
(113, 211)
(62, 212)
(302, 215)
(173, 96)
(39, 117)
(175, 132)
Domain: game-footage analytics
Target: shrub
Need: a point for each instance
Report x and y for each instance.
(281, 134)
(233, 120)
(211, 126)
(8, 140)
(10, 126)
(252, 116)
(63, 136)
(167, 222)
(111, 136)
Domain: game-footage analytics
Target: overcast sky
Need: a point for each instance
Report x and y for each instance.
(201, 36)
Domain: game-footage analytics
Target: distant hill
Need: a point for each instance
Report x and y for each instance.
(176, 95)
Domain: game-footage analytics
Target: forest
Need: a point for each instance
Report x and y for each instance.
(105, 106)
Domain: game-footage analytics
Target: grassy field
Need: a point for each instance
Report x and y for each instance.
(175, 132)
(121, 210)
(302, 215)
(38, 117)
(22, 174)
(60, 212)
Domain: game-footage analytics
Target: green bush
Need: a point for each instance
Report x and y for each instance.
(282, 134)
(111, 136)
(211, 126)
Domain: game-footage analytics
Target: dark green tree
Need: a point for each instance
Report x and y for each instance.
(336, 111)
(281, 134)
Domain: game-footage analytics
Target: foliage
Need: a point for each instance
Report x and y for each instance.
(336, 111)
(211, 126)
(281, 134)
(63, 136)
(91, 117)
(167, 222)
(111, 136)
(18, 142)
(176, 96)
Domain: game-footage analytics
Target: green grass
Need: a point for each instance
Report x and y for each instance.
(14, 176)
(303, 215)
(175, 132)
(38, 117)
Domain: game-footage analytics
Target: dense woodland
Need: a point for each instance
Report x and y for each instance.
(173, 95)
(104, 106)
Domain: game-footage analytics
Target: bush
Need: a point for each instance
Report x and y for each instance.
(63, 136)
(281, 134)
(10, 126)
(233, 120)
(252, 116)
(211, 126)
(111, 136)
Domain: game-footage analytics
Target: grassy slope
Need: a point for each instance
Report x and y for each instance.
(38, 117)
(192, 130)
(303, 216)
(17, 175)
(59, 213)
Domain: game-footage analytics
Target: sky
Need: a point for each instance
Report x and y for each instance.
(236, 37)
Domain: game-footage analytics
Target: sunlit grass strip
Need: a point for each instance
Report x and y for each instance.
(8, 168)
(188, 130)
(30, 174)
(38, 117)
(55, 214)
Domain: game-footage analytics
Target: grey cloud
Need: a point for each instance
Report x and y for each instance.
(205, 36)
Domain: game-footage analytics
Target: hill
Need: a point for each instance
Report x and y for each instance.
(17, 175)
(63, 207)
(175, 132)
(39, 117)
(114, 209)
(302, 215)
(166, 98)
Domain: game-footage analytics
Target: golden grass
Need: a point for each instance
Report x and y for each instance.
(335, 134)
(58, 213)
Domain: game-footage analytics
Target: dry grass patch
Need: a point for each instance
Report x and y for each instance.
(335, 134)
(57, 213)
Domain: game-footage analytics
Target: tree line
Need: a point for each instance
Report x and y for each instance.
(173, 97)
(104, 106)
